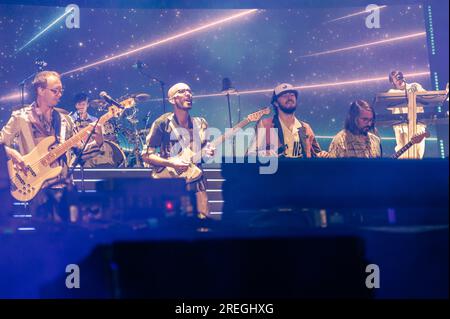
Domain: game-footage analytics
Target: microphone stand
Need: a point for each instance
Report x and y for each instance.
(22, 88)
(229, 109)
(23, 82)
(230, 121)
(161, 83)
(78, 157)
(239, 106)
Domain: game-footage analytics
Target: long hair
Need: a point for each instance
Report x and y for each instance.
(353, 113)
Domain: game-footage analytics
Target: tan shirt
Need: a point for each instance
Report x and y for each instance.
(26, 128)
(347, 144)
(292, 139)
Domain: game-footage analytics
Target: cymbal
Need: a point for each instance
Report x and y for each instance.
(141, 97)
(99, 103)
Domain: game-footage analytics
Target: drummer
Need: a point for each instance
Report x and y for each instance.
(82, 118)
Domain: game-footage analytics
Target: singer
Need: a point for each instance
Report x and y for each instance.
(174, 129)
(399, 84)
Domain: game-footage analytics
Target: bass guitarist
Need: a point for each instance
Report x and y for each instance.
(30, 125)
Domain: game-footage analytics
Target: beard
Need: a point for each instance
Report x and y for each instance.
(288, 109)
(365, 130)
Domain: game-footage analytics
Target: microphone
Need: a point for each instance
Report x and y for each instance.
(139, 65)
(110, 100)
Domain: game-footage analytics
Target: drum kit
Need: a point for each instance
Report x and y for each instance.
(123, 141)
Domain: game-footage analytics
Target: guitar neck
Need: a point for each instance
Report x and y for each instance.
(216, 142)
(402, 150)
(219, 140)
(61, 149)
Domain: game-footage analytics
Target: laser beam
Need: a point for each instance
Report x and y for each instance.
(359, 81)
(353, 14)
(314, 86)
(387, 138)
(45, 29)
(404, 37)
(159, 42)
(12, 97)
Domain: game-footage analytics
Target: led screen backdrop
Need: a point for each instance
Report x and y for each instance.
(314, 48)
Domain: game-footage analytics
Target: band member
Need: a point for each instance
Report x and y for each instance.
(357, 139)
(296, 139)
(399, 84)
(81, 118)
(30, 125)
(167, 134)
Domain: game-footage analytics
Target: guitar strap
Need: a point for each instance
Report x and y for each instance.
(28, 135)
(56, 123)
(60, 125)
(305, 141)
(303, 136)
(196, 127)
(174, 129)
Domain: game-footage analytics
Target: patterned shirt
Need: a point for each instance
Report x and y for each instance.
(347, 144)
(293, 147)
(27, 127)
(166, 137)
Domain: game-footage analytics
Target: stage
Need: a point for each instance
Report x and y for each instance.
(243, 152)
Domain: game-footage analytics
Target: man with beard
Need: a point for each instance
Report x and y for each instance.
(357, 139)
(175, 129)
(293, 138)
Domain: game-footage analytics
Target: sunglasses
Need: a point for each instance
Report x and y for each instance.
(182, 91)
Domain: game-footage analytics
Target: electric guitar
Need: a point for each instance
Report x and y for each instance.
(193, 172)
(416, 139)
(40, 163)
